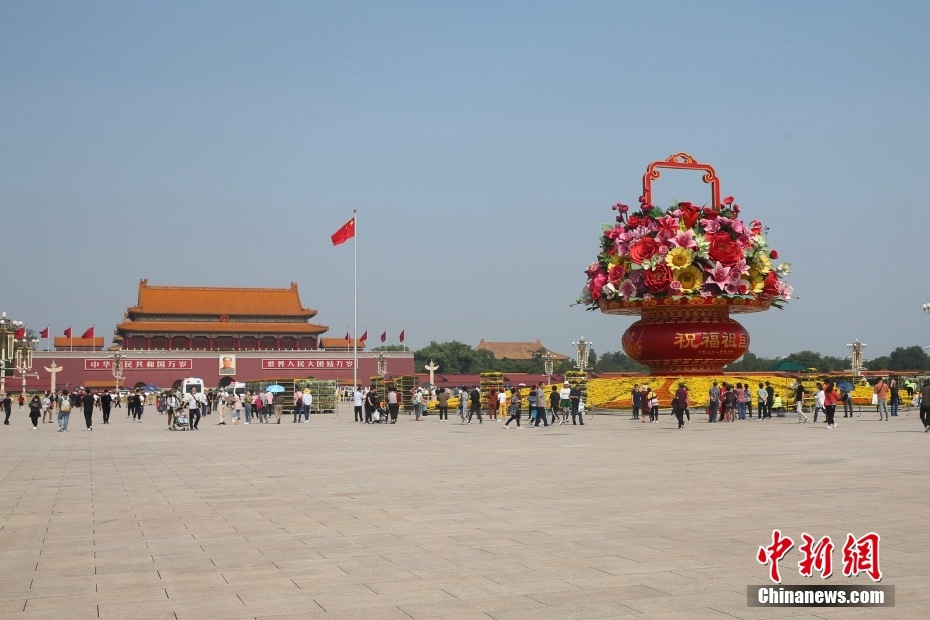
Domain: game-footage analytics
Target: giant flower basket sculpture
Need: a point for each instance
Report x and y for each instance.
(684, 270)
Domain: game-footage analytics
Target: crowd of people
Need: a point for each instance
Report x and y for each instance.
(725, 403)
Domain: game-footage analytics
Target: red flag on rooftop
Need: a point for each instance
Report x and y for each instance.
(88, 333)
(384, 336)
(68, 333)
(348, 338)
(20, 333)
(364, 336)
(345, 233)
(44, 332)
(402, 335)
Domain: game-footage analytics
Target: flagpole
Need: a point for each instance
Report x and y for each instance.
(355, 299)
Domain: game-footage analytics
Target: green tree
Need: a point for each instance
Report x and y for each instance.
(454, 358)
(617, 361)
(908, 358)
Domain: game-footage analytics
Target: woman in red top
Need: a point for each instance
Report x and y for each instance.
(830, 397)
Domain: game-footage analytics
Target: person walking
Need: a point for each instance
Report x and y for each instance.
(193, 401)
(417, 397)
(681, 404)
(247, 407)
(516, 408)
(830, 397)
(64, 411)
(819, 398)
(881, 392)
(393, 404)
(637, 402)
(48, 405)
(761, 396)
(106, 404)
(769, 400)
(474, 402)
(643, 398)
(924, 401)
(799, 401)
(653, 406)
(846, 399)
(258, 407)
(574, 395)
(306, 404)
(541, 406)
(742, 397)
(87, 403)
(713, 402)
(357, 400)
(173, 407)
(278, 407)
(895, 396)
(35, 411)
(492, 403)
(371, 404)
(555, 404)
(7, 409)
(442, 398)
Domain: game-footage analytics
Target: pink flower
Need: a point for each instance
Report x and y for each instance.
(718, 274)
(684, 239)
(627, 289)
(668, 225)
(710, 226)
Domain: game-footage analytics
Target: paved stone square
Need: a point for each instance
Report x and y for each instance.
(333, 519)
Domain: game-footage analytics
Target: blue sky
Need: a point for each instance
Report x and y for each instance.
(483, 143)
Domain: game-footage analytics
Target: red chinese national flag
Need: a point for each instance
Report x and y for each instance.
(384, 336)
(20, 333)
(348, 338)
(402, 335)
(68, 333)
(345, 233)
(364, 336)
(88, 333)
(44, 332)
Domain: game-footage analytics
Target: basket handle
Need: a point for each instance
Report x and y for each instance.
(682, 161)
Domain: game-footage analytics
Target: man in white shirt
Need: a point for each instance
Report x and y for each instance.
(193, 401)
(357, 398)
(307, 400)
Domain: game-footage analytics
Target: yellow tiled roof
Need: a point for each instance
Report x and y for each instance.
(204, 300)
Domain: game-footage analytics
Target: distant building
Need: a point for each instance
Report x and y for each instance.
(518, 350)
(63, 343)
(191, 318)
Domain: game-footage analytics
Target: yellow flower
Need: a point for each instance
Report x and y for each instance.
(614, 260)
(679, 258)
(690, 277)
(762, 263)
(754, 281)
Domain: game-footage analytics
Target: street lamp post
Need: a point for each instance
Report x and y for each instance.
(582, 348)
(856, 348)
(117, 358)
(547, 366)
(7, 345)
(23, 359)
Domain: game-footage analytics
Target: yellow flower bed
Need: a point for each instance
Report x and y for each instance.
(616, 393)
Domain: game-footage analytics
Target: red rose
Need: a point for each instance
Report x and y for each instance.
(616, 273)
(773, 254)
(724, 249)
(689, 214)
(644, 249)
(658, 280)
(770, 286)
